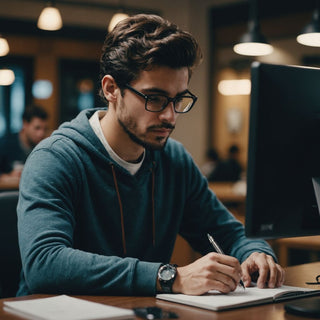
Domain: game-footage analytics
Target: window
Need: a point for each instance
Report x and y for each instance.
(79, 87)
(15, 97)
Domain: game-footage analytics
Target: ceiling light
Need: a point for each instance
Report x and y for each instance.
(253, 43)
(4, 46)
(234, 87)
(117, 17)
(310, 35)
(50, 18)
(6, 77)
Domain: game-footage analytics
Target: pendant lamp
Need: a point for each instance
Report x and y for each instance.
(117, 17)
(253, 43)
(4, 46)
(50, 18)
(310, 35)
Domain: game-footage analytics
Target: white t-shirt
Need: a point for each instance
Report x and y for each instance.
(95, 124)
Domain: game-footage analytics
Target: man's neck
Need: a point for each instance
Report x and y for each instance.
(119, 140)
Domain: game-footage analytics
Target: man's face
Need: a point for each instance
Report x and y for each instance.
(35, 131)
(151, 129)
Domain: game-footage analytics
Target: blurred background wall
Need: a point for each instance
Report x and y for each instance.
(68, 60)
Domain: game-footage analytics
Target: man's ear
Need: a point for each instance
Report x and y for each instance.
(110, 88)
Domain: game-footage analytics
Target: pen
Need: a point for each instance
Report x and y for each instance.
(218, 249)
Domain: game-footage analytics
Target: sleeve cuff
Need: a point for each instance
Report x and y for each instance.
(145, 278)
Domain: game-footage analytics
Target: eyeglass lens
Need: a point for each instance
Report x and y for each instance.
(157, 103)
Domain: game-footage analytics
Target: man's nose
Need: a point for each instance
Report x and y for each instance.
(168, 113)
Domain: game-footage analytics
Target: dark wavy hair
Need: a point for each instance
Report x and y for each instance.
(142, 41)
(34, 111)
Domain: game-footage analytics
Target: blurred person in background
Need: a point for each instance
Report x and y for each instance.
(15, 147)
(212, 161)
(229, 169)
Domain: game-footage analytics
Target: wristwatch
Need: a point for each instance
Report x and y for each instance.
(166, 276)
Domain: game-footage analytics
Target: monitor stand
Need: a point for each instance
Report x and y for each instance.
(308, 307)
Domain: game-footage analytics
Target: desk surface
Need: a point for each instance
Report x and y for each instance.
(228, 191)
(9, 183)
(296, 275)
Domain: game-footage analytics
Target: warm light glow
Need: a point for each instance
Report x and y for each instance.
(4, 47)
(234, 87)
(115, 19)
(253, 48)
(6, 77)
(50, 19)
(309, 39)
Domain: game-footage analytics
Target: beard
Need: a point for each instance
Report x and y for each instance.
(159, 143)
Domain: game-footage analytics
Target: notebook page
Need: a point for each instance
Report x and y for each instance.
(64, 307)
(215, 300)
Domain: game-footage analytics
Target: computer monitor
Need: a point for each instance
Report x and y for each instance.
(283, 173)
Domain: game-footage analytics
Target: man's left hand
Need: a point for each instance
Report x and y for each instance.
(270, 274)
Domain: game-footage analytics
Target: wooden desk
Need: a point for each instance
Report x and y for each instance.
(295, 276)
(226, 192)
(311, 243)
(9, 184)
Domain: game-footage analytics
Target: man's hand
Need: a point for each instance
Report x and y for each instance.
(212, 272)
(270, 274)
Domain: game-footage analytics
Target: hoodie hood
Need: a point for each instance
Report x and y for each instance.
(81, 133)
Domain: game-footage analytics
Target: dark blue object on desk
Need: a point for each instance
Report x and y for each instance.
(307, 307)
(153, 313)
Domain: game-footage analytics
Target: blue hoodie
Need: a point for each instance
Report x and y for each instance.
(87, 226)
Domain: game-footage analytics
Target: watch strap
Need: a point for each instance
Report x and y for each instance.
(166, 284)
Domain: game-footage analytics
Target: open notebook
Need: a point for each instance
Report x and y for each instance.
(216, 301)
(63, 307)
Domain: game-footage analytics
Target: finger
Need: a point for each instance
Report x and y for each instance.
(226, 260)
(281, 277)
(273, 272)
(222, 286)
(226, 270)
(246, 274)
(263, 268)
(229, 267)
(227, 282)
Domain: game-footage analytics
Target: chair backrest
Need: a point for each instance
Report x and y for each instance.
(10, 265)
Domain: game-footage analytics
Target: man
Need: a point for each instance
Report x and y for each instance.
(15, 148)
(104, 197)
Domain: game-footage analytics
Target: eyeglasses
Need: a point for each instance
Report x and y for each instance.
(158, 102)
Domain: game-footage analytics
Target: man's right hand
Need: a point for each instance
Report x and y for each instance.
(214, 271)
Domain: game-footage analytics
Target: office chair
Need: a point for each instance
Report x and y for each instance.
(10, 264)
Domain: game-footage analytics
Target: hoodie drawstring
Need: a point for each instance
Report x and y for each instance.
(121, 210)
(153, 210)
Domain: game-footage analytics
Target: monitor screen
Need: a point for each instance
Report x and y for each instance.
(284, 152)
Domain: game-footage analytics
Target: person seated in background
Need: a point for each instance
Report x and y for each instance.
(103, 198)
(229, 169)
(16, 147)
(212, 161)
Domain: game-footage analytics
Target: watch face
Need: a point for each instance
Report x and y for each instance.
(167, 274)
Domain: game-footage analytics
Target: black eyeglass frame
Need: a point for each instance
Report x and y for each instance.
(317, 280)
(188, 94)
